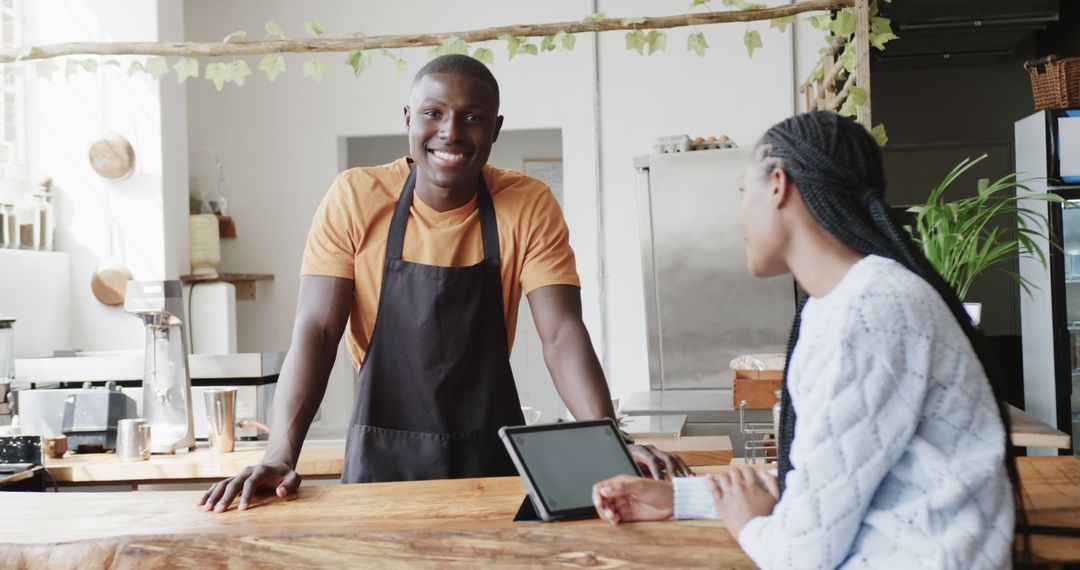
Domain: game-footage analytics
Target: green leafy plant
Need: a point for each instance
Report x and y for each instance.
(964, 238)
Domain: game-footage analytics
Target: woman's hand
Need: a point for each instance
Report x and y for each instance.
(629, 499)
(743, 494)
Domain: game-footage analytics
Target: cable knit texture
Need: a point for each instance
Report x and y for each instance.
(899, 448)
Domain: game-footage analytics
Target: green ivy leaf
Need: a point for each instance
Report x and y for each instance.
(156, 67)
(594, 19)
(847, 59)
(849, 108)
(633, 21)
(565, 40)
(218, 73)
(844, 24)
(880, 135)
(45, 69)
(484, 55)
(753, 7)
(272, 64)
(781, 23)
(457, 45)
(239, 71)
(112, 62)
(513, 44)
(857, 94)
(657, 41)
(135, 67)
(699, 3)
(315, 29)
(452, 44)
(273, 29)
(879, 40)
(185, 68)
(818, 72)
(880, 25)
(90, 65)
(697, 44)
(388, 54)
(529, 49)
(635, 40)
(315, 69)
(752, 40)
(401, 66)
(821, 22)
(736, 3)
(547, 44)
(236, 34)
(359, 61)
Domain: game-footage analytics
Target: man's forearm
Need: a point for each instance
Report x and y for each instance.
(300, 390)
(576, 372)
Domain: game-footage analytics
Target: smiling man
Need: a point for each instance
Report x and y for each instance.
(426, 259)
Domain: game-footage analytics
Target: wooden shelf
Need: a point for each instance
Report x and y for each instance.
(244, 282)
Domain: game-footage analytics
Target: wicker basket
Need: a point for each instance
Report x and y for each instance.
(1055, 82)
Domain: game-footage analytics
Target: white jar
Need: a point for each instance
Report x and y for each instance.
(204, 243)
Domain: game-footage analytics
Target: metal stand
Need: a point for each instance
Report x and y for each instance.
(758, 439)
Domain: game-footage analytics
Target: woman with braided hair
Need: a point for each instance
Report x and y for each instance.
(893, 447)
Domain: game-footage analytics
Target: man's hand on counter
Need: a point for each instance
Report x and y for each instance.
(279, 477)
(659, 463)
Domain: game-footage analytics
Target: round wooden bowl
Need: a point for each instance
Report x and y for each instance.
(112, 157)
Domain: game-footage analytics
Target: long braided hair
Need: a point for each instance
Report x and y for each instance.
(836, 166)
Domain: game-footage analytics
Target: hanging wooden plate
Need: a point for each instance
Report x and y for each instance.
(112, 157)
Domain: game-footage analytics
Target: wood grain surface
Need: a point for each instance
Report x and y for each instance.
(1030, 432)
(455, 523)
(317, 461)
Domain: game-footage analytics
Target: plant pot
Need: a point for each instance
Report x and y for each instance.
(974, 310)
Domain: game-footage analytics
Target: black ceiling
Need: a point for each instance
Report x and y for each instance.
(955, 31)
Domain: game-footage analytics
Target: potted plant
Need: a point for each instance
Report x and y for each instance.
(964, 238)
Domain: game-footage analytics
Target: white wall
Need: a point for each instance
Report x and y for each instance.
(149, 208)
(280, 149)
(34, 291)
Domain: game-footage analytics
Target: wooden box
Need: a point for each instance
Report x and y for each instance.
(757, 387)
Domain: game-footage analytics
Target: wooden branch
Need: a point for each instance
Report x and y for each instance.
(242, 48)
(862, 56)
(845, 91)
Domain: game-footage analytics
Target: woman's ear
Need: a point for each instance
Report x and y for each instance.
(780, 188)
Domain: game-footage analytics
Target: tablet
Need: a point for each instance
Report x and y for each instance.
(561, 462)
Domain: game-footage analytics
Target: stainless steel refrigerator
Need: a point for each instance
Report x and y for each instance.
(1048, 150)
(702, 306)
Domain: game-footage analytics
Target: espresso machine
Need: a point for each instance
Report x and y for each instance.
(166, 384)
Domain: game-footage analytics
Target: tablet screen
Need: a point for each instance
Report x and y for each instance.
(564, 462)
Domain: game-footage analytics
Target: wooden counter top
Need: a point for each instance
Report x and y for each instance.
(464, 522)
(454, 523)
(318, 460)
(1030, 432)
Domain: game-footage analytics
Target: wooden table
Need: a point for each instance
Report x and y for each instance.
(464, 522)
(318, 460)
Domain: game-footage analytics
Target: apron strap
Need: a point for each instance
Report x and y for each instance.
(489, 228)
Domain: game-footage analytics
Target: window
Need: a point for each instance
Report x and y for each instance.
(12, 97)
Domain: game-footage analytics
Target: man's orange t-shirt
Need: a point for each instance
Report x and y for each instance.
(349, 231)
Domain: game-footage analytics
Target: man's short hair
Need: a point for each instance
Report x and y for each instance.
(458, 64)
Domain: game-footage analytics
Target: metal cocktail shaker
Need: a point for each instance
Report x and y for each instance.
(221, 419)
(133, 439)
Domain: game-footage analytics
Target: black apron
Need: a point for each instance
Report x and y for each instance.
(435, 385)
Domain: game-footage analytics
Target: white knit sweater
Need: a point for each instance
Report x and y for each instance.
(898, 450)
